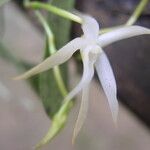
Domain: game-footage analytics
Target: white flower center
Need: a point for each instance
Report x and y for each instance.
(93, 51)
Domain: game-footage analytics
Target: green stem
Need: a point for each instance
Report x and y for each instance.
(59, 81)
(104, 30)
(70, 16)
(135, 15)
(60, 118)
(58, 123)
(53, 9)
(52, 49)
(137, 12)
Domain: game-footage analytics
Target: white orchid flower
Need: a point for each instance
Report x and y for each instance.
(91, 46)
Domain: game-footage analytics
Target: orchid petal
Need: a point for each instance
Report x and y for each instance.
(120, 34)
(82, 113)
(88, 72)
(58, 58)
(90, 27)
(108, 82)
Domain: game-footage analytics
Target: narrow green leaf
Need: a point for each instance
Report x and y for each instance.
(49, 91)
(58, 122)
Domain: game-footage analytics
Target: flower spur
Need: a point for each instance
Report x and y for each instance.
(90, 46)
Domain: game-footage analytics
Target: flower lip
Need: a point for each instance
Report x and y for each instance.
(94, 49)
(93, 52)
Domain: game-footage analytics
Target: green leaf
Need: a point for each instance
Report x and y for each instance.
(49, 91)
(58, 122)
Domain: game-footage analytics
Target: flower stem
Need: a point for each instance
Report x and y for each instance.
(138, 10)
(133, 18)
(58, 122)
(104, 30)
(53, 9)
(60, 118)
(52, 49)
(75, 18)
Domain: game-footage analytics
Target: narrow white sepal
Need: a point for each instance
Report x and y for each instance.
(120, 34)
(82, 113)
(88, 72)
(108, 82)
(58, 58)
(90, 27)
